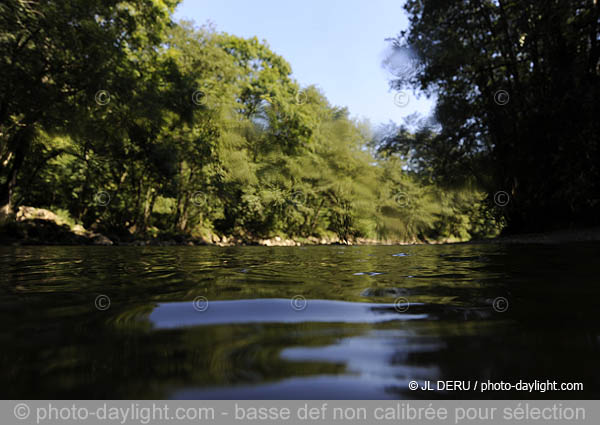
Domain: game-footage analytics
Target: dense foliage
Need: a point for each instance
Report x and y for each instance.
(518, 90)
(136, 126)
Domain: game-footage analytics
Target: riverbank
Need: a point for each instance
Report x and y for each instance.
(37, 226)
(591, 234)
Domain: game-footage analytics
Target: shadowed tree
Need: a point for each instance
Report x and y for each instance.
(517, 86)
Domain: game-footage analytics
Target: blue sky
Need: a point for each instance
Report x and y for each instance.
(337, 45)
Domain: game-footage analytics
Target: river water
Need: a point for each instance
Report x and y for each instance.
(319, 322)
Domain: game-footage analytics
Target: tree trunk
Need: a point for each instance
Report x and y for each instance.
(313, 223)
(148, 206)
(183, 213)
(22, 141)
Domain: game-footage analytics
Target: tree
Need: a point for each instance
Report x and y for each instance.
(517, 87)
(172, 131)
(59, 59)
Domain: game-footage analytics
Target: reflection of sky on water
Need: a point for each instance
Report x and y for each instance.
(274, 310)
(376, 362)
(376, 367)
(378, 354)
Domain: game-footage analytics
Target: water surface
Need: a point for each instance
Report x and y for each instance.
(332, 322)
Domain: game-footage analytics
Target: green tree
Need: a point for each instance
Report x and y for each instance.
(56, 60)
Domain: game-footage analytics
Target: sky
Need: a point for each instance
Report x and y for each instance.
(337, 45)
